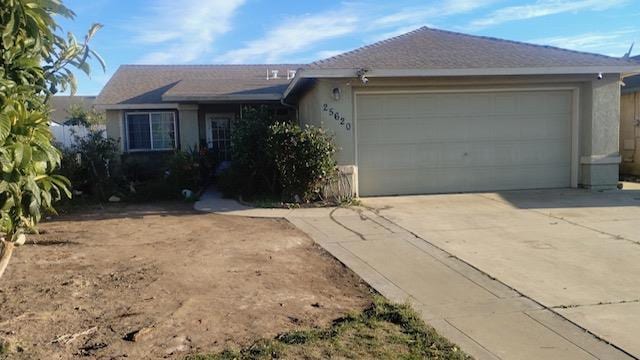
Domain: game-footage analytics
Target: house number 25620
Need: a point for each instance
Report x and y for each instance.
(337, 117)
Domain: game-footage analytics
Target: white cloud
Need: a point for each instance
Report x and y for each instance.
(183, 31)
(423, 13)
(542, 8)
(293, 36)
(615, 43)
(289, 39)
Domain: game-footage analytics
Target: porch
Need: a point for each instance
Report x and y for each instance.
(209, 125)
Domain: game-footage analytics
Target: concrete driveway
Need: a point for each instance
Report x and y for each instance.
(574, 251)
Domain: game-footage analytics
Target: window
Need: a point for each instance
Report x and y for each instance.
(151, 130)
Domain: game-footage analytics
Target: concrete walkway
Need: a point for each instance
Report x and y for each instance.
(486, 318)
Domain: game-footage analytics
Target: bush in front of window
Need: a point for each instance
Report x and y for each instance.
(164, 175)
(184, 171)
(272, 159)
(304, 159)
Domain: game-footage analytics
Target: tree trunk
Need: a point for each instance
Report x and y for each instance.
(5, 255)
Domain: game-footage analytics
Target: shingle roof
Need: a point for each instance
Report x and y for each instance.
(428, 48)
(153, 84)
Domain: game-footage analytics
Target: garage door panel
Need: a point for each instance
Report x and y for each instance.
(370, 107)
(505, 104)
(504, 127)
(454, 142)
(558, 102)
(554, 151)
(460, 154)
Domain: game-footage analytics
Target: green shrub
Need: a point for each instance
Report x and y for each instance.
(92, 164)
(145, 166)
(274, 159)
(253, 169)
(151, 190)
(184, 170)
(97, 168)
(304, 159)
(163, 176)
(227, 182)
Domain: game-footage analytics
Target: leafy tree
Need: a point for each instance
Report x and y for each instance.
(35, 63)
(79, 115)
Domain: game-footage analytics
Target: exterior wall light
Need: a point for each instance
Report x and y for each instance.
(336, 93)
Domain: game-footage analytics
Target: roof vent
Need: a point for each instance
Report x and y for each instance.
(291, 74)
(274, 74)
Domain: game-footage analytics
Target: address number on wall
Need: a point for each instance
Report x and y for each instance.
(337, 117)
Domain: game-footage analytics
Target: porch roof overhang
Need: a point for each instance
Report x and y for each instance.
(145, 106)
(631, 84)
(222, 97)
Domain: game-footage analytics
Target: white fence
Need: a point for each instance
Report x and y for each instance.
(66, 134)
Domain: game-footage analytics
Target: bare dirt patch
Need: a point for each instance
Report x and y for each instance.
(162, 281)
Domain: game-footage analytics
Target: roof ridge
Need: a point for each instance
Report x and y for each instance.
(489, 38)
(524, 43)
(372, 45)
(206, 65)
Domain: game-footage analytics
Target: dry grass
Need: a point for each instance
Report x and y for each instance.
(382, 331)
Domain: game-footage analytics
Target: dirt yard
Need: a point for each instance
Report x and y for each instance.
(163, 281)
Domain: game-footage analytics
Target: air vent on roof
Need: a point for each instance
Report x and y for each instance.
(274, 74)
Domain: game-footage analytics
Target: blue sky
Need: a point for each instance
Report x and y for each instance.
(279, 31)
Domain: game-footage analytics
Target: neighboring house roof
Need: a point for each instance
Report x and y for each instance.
(631, 84)
(428, 48)
(156, 84)
(60, 105)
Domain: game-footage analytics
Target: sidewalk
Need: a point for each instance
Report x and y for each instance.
(486, 318)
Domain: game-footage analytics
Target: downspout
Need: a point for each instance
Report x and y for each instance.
(290, 106)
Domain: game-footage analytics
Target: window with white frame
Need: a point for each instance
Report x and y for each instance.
(151, 130)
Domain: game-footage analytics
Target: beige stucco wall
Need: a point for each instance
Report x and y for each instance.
(189, 131)
(114, 126)
(312, 111)
(598, 154)
(600, 133)
(630, 133)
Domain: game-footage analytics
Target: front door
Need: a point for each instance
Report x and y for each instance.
(219, 135)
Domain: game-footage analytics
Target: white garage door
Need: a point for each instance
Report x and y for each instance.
(455, 142)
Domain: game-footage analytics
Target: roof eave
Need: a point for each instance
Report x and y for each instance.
(229, 97)
(136, 106)
(560, 70)
(293, 84)
(564, 70)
